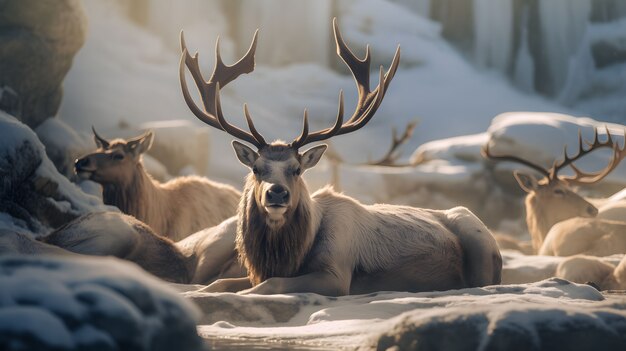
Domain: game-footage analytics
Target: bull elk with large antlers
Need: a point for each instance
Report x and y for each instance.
(560, 221)
(328, 243)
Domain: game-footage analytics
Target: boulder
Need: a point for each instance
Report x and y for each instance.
(39, 40)
(72, 303)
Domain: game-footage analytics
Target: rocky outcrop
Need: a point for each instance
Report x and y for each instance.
(38, 40)
(33, 192)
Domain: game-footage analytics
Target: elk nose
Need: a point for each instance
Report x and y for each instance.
(81, 163)
(592, 211)
(277, 195)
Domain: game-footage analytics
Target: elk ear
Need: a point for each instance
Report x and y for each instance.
(141, 144)
(312, 156)
(526, 181)
(100, 141)
(245, 154)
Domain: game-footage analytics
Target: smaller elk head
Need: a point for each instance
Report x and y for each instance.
(551, 199)
(276, 167)
(115, 161)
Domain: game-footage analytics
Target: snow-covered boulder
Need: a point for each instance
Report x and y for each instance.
(550, 314)
(63, 144)
(39, 40)
(55, 303)
(34, 194)
(541, 138)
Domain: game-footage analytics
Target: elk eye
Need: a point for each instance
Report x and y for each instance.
(255, 170)
(297, 172)
(118, 157)
(559, 191)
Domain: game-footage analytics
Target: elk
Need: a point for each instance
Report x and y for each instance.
(551, 200)
(174, 209)
(584, 269)
(200, 258)
(327, 243)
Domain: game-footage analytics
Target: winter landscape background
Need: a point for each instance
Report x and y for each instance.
(522, 75)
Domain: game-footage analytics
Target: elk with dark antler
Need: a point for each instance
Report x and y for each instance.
(550, 199)
(328, 243)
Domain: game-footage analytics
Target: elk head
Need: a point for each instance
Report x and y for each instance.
(276, 167)
(113, 162)
(551, 199)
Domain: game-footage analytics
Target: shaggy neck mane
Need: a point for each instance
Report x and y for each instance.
(272, 252)
(132, 198)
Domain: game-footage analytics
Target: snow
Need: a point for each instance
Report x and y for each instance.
(309, 320)
(76, 303)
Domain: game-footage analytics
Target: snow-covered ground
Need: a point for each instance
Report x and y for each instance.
(549, 314)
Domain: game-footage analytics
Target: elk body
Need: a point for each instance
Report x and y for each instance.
(200, 258)
(174, 209)
(560, 221)
(328, 243)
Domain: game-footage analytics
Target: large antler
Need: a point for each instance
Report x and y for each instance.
(210, 90)
(368, 101)
(580, 177)
(392, 155)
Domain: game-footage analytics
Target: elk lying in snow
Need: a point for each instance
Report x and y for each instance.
(560, 221)
(583, 269)
(328, 243)
(200, 258)
(175, 209)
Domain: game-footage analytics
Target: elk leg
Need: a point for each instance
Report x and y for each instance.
(228, 285)
(323, 283)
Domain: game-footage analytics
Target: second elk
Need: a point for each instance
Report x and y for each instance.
(561, 222)
(293, 241)
(174, 209)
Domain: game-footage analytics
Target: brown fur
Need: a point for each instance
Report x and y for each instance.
(268, 252)
(174, 209)
(122, 236)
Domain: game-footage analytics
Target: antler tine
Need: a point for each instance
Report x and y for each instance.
(487, 154)
(393, 154)
(304, 136)
(581, 177)
(251, 126)
(368, 100)
(209, 90)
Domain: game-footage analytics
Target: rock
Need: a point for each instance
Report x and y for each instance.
(32, 190)
(39, 40)
(63, 144)
(71, 303)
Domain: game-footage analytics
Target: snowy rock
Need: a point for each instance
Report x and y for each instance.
(39, 40)
(32, 190)
(54, 303)
(63, 144)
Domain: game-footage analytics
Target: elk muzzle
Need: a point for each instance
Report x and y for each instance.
(277, 195)
(84, 167)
